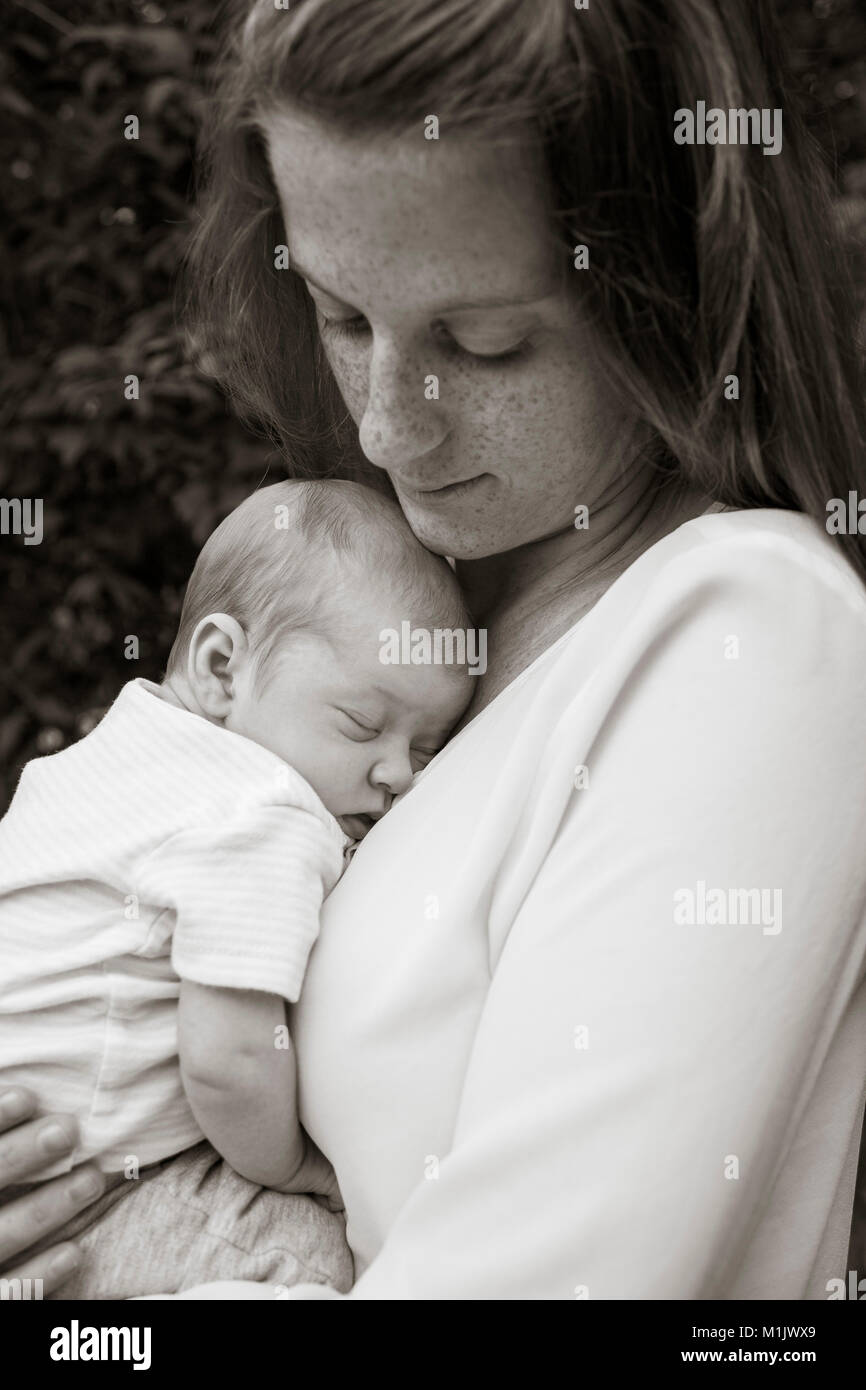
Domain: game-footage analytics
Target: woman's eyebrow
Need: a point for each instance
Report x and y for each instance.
(489, 302)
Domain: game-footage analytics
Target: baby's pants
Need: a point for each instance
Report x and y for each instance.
(190, 1220)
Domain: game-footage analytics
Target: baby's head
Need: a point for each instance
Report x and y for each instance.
(282, 639)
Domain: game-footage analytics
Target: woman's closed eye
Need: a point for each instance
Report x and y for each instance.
(357, 327)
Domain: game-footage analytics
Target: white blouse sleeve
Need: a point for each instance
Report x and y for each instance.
(644, 1053)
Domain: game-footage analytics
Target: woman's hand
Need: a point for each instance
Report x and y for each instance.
(26, 1146)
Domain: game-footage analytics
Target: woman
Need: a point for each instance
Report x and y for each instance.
(587, 1013)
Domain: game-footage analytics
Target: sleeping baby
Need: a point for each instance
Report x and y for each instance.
(161, 880)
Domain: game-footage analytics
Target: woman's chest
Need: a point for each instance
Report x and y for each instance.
(408, 945)
(517, 637)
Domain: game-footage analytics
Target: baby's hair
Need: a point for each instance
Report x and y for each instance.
(278, 563)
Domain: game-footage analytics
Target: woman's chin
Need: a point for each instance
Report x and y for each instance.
(456, 538)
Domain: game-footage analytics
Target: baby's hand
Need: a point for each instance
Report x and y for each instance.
(315, 1176)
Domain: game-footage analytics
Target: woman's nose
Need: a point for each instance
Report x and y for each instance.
(403, 418)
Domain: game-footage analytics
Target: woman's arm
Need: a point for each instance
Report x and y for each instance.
(26, 1145)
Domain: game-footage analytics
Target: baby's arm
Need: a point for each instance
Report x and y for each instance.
(240, 1076)
(267, 867)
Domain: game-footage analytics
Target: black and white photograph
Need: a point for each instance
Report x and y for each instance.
(433, 694)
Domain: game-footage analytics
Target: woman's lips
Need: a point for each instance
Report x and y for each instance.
(445, 493)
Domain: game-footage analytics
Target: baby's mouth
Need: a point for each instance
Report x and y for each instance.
(358, 825)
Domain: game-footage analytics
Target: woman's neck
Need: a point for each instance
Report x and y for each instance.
(528, 598)
(579, 564)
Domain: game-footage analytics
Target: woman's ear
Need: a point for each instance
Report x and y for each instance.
(217, 650)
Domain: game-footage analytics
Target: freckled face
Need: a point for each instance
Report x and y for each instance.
(431, 259)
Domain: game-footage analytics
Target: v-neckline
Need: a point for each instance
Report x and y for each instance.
(523, 675)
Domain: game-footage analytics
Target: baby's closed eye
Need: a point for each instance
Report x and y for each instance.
(357, 727)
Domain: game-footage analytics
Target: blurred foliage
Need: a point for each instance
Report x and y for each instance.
(96, 225)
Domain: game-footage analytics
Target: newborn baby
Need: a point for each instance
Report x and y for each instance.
(161, 880)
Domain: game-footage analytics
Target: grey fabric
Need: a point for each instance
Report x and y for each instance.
(192, 1219)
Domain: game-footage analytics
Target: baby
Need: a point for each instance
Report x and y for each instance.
(161, 883)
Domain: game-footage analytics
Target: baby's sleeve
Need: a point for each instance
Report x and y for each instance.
(247, 895)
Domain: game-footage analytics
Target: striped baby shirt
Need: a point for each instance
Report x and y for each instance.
(160, 847)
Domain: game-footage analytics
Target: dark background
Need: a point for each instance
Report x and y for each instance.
(96, 227)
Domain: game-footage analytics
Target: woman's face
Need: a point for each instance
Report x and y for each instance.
(447, 317)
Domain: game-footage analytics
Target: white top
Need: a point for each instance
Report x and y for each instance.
(160, 846)
(534, 1078)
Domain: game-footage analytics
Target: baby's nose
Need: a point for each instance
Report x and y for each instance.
(393, 773)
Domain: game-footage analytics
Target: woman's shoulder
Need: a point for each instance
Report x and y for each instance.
(765, 567)
(760, 550)
(739, 641)
(767, 589)
(763, 598)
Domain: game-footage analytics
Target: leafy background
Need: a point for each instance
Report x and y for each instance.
(95, 226)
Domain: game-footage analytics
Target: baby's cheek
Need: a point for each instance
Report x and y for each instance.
(347, 767)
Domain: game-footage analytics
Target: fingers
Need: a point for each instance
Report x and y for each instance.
(30, 1146)
(52, 1266)
(16, 1104)
(28, 1143)
(28, 1219)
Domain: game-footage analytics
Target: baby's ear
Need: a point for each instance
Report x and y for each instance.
(217, 649)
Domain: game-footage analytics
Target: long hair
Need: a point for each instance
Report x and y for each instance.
(706, 261)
